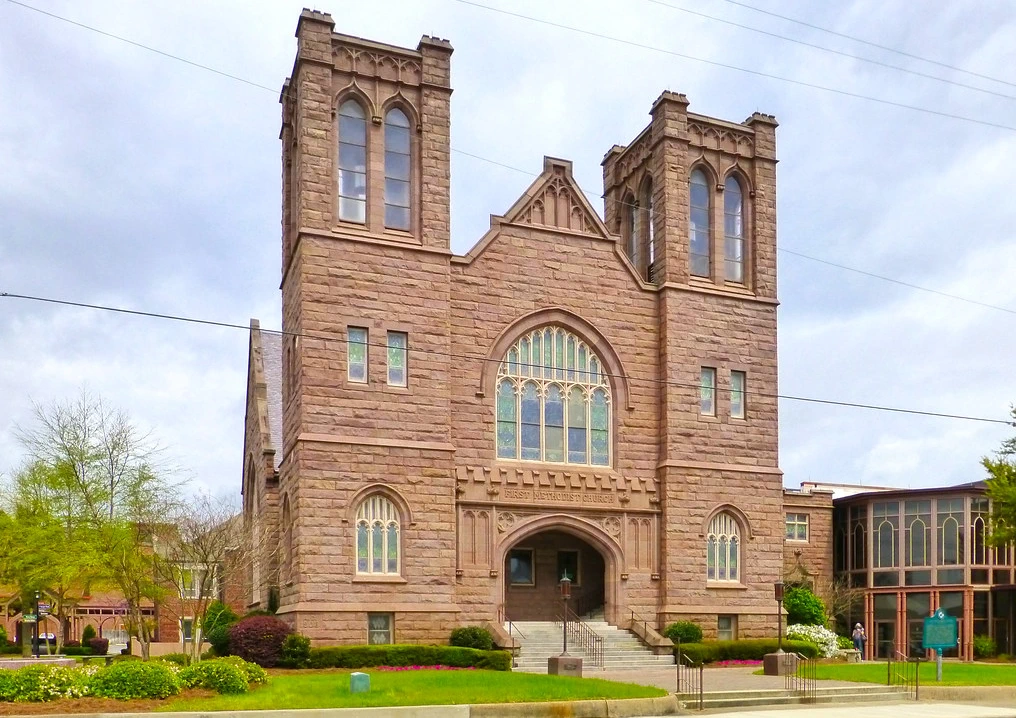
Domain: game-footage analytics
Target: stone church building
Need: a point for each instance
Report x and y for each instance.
(435, 439)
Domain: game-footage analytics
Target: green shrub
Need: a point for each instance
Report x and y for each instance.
(42, 683)
(295, 651)
(99, 646)
(803, 607)
(179, 659)
(9, 648)
(3, 634)
(984, 647)
(745, 650)
(218, 637)
(215, 626)
(408, 655)
(844, 642)
(216, 675)
(69, 650)
(87, 634)
(209, 654)
(684, 631)
(259, 639)
(125, 680)
(473, 637)
(254, 673)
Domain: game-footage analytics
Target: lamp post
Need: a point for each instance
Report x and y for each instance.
(36, 624)
(778, 591)
(565, 595)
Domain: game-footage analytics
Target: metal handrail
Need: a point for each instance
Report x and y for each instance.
(588, 640)
(636, 618)
(689, 679)
(904, 672)
(801, 677)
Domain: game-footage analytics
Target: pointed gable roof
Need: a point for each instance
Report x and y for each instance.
(556, 201)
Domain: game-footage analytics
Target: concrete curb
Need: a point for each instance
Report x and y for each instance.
(627, 708)
(969, 694)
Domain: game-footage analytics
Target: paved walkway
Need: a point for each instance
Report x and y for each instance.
(737, 678)
(868, 710)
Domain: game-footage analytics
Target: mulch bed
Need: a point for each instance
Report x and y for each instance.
(94, 705)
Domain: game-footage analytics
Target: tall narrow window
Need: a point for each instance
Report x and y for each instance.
(397, 170)
(917, 532)
(649, 219)
(356, 354)
(722, 549)
(377, 536)
(733, 231)
(699, 224)
(949, 519)
(885, 520)
(352, 163)
(397, 349)
(631, 229)
(707, 391)
(738, 386)
(978, 531)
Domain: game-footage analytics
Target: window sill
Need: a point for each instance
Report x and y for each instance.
(396, 389)
(729, 585)
(381, 578)
(709, 418)
(797, 541)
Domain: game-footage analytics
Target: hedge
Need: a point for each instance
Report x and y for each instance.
(745, 650)
(408, 655)
(76, 650)
(9, 648)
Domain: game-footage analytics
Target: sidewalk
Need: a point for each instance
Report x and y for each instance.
(737, 678)
(911, 710)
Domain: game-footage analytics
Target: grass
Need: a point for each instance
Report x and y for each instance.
(330, 689)
(953, 674)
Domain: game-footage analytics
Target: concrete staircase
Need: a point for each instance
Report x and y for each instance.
(539, 640)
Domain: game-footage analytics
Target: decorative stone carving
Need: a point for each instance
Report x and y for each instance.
(505, 520)
(612, 525)
(722, 139)
(557, 205)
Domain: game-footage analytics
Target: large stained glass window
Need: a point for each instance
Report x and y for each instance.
(553, 401)
(377, 536)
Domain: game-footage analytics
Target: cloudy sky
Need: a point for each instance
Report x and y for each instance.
(134, 180)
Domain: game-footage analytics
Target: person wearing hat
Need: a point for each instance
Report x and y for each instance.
(859, 638)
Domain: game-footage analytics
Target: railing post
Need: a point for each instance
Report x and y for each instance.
(700, 673)
(917, 680)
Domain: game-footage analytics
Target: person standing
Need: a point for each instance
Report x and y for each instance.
(859, 639)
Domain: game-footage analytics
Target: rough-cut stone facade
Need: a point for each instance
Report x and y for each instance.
(810, 560)
(429, 447)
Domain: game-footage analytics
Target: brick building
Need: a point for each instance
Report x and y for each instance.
(437, 439)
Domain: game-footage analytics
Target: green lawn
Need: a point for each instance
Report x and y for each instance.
(330, 689)
(953, 674)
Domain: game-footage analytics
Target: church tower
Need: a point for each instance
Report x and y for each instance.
(365, 286)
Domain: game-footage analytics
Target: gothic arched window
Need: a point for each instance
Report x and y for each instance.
(377, 536)
(723, 546)
(631, 228)
(352, 162)
(699, 245)
(553, 401)
(397, 170)
(648, 220)
(733, 231)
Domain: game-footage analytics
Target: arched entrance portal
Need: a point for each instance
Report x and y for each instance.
(533, 567)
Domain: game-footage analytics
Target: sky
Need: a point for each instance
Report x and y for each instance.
(131, 179)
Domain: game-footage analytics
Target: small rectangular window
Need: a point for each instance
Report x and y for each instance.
(520, 567)
(397, 350)
(380, 629)
(797, 527)
(707, 392)
(186, 629)
(738, 387)
(726, 628)
(568, 565)
(356, 354)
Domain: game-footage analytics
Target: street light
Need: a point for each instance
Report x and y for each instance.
(778, 586)
(565, 595)
(37, 624)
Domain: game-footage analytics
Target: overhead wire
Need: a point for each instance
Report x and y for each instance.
(869, 43)
(823, 48)
(335, 337)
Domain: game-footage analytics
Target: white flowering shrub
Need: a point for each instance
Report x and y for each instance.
(825, 639)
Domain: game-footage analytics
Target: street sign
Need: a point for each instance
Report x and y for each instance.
(939, 631)
(44, 609)
(28, 618)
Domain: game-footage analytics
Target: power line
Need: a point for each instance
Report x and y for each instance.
(869, 43)
(758, 73)
(479, 358)
(480, 157)
(833, 51)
